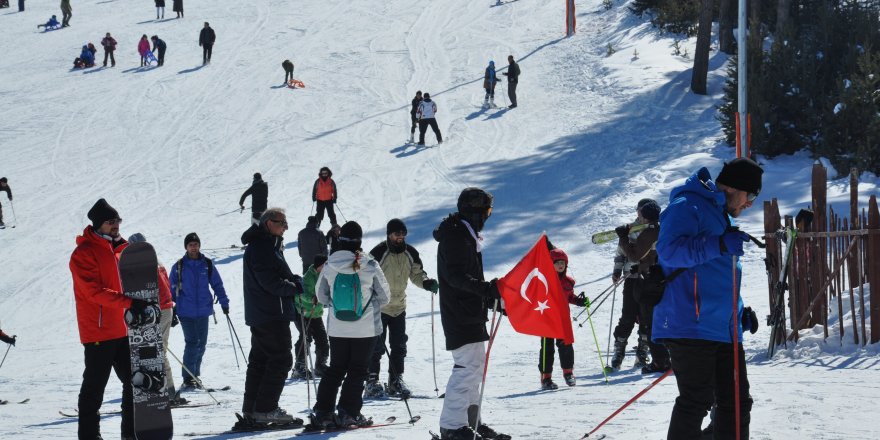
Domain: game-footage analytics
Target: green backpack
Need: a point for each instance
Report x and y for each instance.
(347, 302)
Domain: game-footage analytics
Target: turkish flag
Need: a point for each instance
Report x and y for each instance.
(533, 296)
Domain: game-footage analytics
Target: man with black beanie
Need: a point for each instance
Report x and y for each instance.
(259, 192)
(700, 242)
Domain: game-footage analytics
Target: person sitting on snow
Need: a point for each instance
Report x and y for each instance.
(87, 57)
(51, 24)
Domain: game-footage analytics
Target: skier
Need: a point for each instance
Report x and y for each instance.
(694, 324)
(311, 311)
(626, 264)
(51, 24)
(66, 13)
(8, 339)
(287, 65)
(351, 277)
(490, 78)
(269, 289)
(426, 112)
(144, 49)
(512, 75)
(193, 278)
(259, 192)
(109, 44)
(4, 186)
(465, 298)
(206, 41)
(412, 115)
(178, 7)
(400, 262)
(324, 193)
(160, 6)
(333, 238)
(100, 306)
(566, 351)
(311, 242)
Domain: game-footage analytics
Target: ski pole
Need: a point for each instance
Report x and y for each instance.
(312, 211)
(596, 309)
(599, 351)
(338, 208)
(14, 219)
(613, 300)
(494, 331)
(599, 298)
(191, 374)
(433, 354)
(230, 212)
(412, 420)
(630, 401)
(234, 351)
(735, 348)
(4, 356)
(236, 338)
(302, 347)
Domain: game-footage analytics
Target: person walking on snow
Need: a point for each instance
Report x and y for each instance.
(566, 351)
(4, 186)
(159, 47)
(512, 75)
(178, 7)
(400, 262)
(311, 242)
(324, 193)
(351, 277)
(426, 114)
(465, 298)
(490, 78)
(193, 278)
(109, 44)
(412, 115)
(259, 192)
(66, 13)
(160, 8)
(206, 41)
(309, 324)
(144, 50)
(287, 65)
(699, 240)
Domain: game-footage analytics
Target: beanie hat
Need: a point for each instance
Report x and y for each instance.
(650, 211)
(558, 254)
(101, 212)
(395, 225)
(191, 237)
(258, 176)
(743, 174)
(427, 95)
(137, 237)
(350, 236)
(312, 220)
(3, 179)
(644, 202)
(319, 260)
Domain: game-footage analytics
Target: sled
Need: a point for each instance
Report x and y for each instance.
(150, 57)
(295, 84)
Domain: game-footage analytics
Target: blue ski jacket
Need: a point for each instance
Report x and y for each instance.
(190, 288)
(697, 303)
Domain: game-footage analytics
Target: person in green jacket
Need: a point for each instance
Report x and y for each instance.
(311, 311)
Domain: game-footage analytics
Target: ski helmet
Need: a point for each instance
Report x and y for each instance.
(475, 206)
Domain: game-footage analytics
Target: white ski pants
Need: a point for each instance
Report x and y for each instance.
(165, 328)
(463, 387)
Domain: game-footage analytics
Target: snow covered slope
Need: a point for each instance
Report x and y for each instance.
(172, 148)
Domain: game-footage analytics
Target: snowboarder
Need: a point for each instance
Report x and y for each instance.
(178, 8)
(324, 194)
(400, 262)
(206, 41)
(311, 242)
(159, 46)
(351, 277)
(465, 297)
(109, 44)
(66, 13)
(512, 75)
(160, 7)
(287, 65)
(193, 277)
(490, 78)
(426, 114)
(269, 288)
(4, 186)
(51, 24)
(707, 246)
(8, 339)
(412, 115)
(144, 49)
(566, 351)
(333, 238)
(259, 192)
(310, 326)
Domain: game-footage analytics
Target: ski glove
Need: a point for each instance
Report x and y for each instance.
(582, 300)
(225, 310)
(493, 292)
(431, 285)
(8, 339)
(615, 277)
(750, 320)
(298, 282)
(731, 243)
(174, 319)
(622, 232)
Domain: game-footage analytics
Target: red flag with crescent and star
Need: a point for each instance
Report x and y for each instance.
(533, 296)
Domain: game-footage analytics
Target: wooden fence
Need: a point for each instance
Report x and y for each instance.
(837, 255)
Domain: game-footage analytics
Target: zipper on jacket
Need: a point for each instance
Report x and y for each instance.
(696, 299)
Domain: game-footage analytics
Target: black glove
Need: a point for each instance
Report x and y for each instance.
(750, 320)
(622, 231)
(8, 339)
(615, 276)
(582, 300)
(431, 285)
(493, 292)
(138, 306)
(174, 319)
(225, 309)
(634, 269)
(298, 282)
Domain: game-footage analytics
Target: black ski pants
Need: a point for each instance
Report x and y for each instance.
(100, 357)
(511, 92)
(65, 18)
(423, 127)
(206, 53)
(323, 205)
(288, 75)
(314, 331)
(109, 54)
(566, 355)
(629, 313)
(349, 358)
(415, 122)
(268, 364)
(659, 353)
(704, 374)
(161, 57)
(394, 327)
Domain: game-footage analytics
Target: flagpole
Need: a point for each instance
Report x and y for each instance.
(493, 331)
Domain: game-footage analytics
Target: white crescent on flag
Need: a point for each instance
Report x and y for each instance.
(535, 273)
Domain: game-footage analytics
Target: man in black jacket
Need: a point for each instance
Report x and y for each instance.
(4, 186)
(159, 46)
(512, 80)
(259, 192)
(206, 41)
(269, 287)
(412, 115)
(465, 297)
(311, 241)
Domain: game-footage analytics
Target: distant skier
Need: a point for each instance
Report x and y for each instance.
(160, 7)
(4, 186)
(324, 194)
(490, 78)
(143, 50)
(206, 41)
(159, 46)
(287, 65)
(512, 75)
(66, 12)
(178, 8)
(414, 109)
(310, 242)
(51, 24)
(7, 339)
(259, 192)
(109, 44)
(426, 114)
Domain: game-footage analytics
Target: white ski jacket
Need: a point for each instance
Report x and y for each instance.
(373, 284)
(427, 109)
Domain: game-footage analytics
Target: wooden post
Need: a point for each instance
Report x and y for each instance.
(817, 253)
(854, 223)
(852, 294)
(872, 263)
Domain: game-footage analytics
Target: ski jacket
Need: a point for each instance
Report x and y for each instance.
(374, 294)
(97, 288)
(178, 6)
(159, 44)
(512, 72)
(636, 249)
(165, 301)
(697, 303)
(490, 77)
(207, 36)
(399, 264)
(269, 285)
(259, 192)
(287, 66)
(8, 191)
(415, 106)
(191, 285)
(464, 292)
(109, 44)
(565, 281)
(324, 190)
(65, 7)
(307, 304)
(310, 242)
(160, 3)
(143, 47)
(427, 109)
(87, 56)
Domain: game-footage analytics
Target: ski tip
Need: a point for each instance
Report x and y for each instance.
(415, 419)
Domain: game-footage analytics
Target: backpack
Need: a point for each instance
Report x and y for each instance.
(648, 289)
(346, 298)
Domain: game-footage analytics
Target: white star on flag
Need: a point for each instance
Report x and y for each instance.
(542, 305)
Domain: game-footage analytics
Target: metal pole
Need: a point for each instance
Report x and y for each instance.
(4, 356)
(232, 341)
(191, 374)
(433, 353)
(742, 98)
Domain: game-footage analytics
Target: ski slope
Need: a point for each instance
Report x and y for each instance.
(172, 148)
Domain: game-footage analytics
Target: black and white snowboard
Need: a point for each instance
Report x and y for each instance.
(138, 270)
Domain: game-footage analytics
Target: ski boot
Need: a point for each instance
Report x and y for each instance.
(486, 102)
(277, 416)
(492, 103)
(619, 352)
(642, 352)
(411, 139)
(190, 383)
(488, 433)
(374, 389)
(344, 419)
(397, 388)
(300, 371)
(547, 383)
(568, 375)
(323, 419)
(656, 367)
(321, 369)
(463, 433)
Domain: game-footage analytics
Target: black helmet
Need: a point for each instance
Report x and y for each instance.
(475, 206)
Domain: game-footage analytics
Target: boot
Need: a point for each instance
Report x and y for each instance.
(568, 375)
(619, 352)
(492, 102)
(323, 419)
(277, 416)
(374, 389)
(547, 383)
(642, 352)
(463, 433)
(349, 420)
(300, 371)
(397, 388)
(320, 369)
(488, 433)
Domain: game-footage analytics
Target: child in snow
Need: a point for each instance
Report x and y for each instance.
(87, 57)
(51, 24)
(566, 351)
(311, 327)
(143, 50)
(490, 78)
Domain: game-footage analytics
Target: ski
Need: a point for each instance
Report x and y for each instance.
(210, 390)
(4, 402)
(243, 425)
(390, 421)
(608, 236)
(75, 413)
(776, 319)
(499, 437)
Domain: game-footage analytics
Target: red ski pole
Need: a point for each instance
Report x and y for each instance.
(636, 397)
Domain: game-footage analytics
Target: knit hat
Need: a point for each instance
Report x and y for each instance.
(558, 254)
(743, 174)
(101, 212)
(3, 179)
(395, 225)
(650, 211)
(258, 176)
(351, 231)
(643, 202)
(191, 237)
(137, 237)
(319, 260)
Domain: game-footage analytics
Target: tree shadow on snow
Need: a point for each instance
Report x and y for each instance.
(191, 69)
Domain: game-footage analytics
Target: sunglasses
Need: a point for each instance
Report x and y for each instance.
(114, 221)
(751, 196)
(283, 222)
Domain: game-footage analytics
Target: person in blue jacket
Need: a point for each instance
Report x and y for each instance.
(87, 57)
(699, 248)
(490, 79)
(190, 279)
(51, 24)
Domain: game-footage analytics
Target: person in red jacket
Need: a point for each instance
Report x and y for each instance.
(324, 193)
(100, 307)
(566, 351)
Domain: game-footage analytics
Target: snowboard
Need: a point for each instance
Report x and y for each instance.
(138, 270)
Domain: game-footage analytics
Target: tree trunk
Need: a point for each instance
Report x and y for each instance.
(701, 54)
(783, 13)
(725, 27)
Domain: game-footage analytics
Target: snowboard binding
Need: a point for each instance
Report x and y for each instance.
(148, 381)
(149, 316)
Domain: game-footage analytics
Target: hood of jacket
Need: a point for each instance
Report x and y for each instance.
(700, 183)
(449, 225)
(256, 233)
(342, 261)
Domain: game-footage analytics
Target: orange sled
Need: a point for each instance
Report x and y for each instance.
(295, 84)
